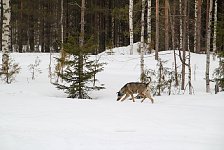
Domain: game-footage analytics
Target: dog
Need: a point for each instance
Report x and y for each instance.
(142, 89)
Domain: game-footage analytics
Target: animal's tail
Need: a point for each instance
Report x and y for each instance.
(150, 79)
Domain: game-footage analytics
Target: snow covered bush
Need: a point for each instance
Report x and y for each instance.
(34, 68)
(219, 73)
(162, 79)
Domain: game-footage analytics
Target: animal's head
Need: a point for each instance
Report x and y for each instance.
(119, 95)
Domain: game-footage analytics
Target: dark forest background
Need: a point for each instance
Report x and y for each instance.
(36, 26)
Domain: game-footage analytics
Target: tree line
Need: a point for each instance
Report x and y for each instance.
(36, 25)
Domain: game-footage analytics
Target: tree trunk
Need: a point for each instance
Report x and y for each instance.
(1, 23)
(172, 25)
(209, 7)
(166, 25)
(31, 33)
(149, 38)
(63, 55)
(181, 25)
(184, 43)
(189, 51)
(157, 31)
(47, 29)
(5, 37)
(215, 27)
(198, 32)
(20, 30)
(195, 24)
(82, 29)
(60, 65)
(131, 25)
(142, 41)
(81, 43)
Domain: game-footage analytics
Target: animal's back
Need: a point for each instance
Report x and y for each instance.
(136, 87)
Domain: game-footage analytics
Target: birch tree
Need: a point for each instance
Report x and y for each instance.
(195, 24)
(5, 36)
(131, 25)
(9, 69)
(209, 7)
(149, 27)
(181, 24)
(60, 65)
(172, 25)
(184, 43)
(215, 27)
(142, 41)
(1, 19)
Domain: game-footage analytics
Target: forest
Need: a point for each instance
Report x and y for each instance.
(38, 25)
(81, 27)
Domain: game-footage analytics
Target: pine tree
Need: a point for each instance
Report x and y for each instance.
(79, 70)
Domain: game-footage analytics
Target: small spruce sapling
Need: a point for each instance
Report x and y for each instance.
(79, 70)
(12, 70)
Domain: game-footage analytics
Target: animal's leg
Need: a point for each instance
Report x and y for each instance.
(132, 97)
(143, 99)
(126, 96)
(149, 96)
(142, 95)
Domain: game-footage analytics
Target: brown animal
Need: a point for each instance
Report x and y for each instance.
(142, 89)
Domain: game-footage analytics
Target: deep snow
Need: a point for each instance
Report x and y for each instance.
(35, 115)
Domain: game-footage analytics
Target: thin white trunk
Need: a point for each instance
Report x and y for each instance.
(195, 24)
(184, 44)
(172, 25)
(189, 72)
(131, 25)
(142, 41)
(5, 36)
(181, 26)
(60, 66)
(149, 26)
(215, 27)
(208, 47)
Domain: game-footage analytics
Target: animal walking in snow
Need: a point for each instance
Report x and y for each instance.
(142, 89)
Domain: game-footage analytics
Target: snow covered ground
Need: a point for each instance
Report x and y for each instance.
(34, 115)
